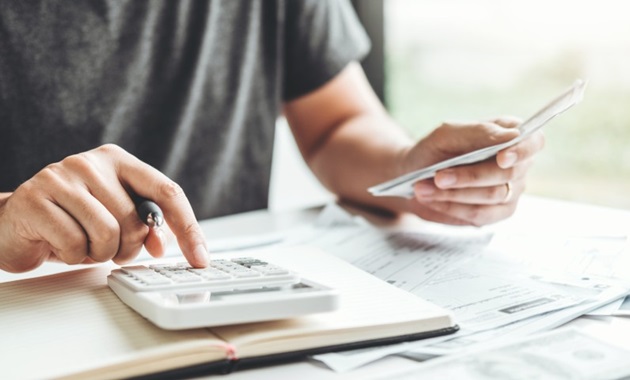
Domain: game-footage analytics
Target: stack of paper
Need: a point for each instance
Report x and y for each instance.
(492, 299)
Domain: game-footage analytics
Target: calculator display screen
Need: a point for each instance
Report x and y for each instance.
(205, 296)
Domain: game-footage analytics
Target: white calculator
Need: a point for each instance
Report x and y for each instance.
(177, 296)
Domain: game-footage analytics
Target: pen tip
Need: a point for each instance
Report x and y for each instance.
(155, 220)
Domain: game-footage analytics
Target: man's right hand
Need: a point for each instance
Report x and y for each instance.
(80, 210)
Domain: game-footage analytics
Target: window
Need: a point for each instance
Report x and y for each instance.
(457, 59)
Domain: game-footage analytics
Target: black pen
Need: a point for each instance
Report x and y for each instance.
(150, 213)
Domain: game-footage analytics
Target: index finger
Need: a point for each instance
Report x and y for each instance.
(522, 151)
(148, 182)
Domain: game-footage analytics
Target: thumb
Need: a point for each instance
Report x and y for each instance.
(458, 138)
(507, 121)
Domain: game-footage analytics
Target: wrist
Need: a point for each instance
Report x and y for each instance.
(404, 162)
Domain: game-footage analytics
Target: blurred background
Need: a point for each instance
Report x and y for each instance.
(457, 59)
(440, 60)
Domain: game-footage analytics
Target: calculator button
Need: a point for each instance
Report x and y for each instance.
(136, 269)
(186, 278)
(246, 273)
(248, 262)
(215, 276)
(155, 280)
(271, 270)
(146, 275)
(219, 274)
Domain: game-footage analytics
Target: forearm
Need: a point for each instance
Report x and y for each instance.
(348, 140)
(361, 152)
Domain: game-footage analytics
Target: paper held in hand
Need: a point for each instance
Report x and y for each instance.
(403, 185)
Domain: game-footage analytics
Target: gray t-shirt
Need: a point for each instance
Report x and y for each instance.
(190, 87)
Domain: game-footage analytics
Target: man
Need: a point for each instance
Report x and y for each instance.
(105, 101)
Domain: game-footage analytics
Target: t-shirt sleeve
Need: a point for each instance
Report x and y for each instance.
(321, 38)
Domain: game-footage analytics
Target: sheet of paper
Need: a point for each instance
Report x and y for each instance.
(403, 185)
(484, 295)
(608, 309)
(436, 268)
(431, 348)
(411, 257)
(597, 292)
(600, 256)
(560, 354)
(603, 256)
(371, 248)
(624, 309)
(349, 360)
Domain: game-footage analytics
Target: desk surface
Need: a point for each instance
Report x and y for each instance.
(533, 214)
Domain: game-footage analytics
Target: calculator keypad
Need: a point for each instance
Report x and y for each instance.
(220, 273)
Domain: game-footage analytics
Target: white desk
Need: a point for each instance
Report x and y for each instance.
(533, 214)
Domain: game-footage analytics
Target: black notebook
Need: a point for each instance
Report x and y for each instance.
(71, 325)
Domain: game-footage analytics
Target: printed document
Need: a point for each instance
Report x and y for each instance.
(441, 269)
(413, 260)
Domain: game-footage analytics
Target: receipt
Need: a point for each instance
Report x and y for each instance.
(403, 185)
